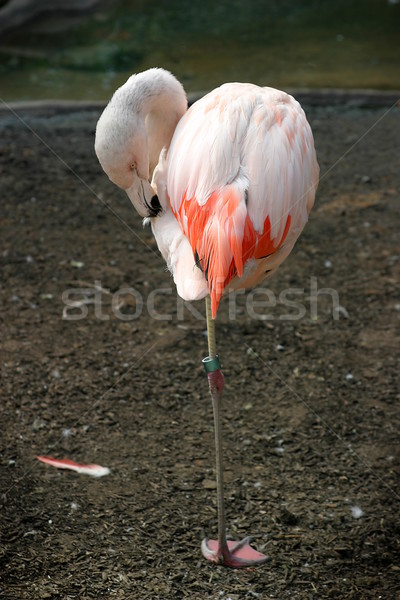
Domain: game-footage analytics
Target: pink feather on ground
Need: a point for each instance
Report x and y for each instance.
(66, 463)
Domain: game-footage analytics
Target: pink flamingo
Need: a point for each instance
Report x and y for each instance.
(227, 187)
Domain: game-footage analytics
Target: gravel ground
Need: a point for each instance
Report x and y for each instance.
(311, 421)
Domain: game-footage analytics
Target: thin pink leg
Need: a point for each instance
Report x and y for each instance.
(222, 551)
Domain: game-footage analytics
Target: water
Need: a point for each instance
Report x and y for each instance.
(286, 44)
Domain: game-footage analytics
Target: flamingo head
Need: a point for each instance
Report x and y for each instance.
(122, 149)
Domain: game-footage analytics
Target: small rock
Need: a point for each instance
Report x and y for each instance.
(209, 484)
(356, 512)
(77, 264)
(38, 423)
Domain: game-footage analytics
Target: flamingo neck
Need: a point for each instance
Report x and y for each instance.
(159, 101)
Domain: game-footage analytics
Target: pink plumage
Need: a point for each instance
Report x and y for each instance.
(240, 178)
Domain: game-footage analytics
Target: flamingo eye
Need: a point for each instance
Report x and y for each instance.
(133, 166)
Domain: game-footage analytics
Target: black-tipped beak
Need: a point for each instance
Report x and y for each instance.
(155, 203)
(155, 206)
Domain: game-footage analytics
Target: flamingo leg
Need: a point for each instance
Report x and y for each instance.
(222, 551)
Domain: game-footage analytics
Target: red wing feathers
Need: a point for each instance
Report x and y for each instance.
(223, 238)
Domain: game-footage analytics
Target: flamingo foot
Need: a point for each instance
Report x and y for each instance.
(236, 554)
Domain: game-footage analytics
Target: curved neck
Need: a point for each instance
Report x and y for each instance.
(160, 101)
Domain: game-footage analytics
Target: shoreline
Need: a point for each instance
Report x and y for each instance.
(360, 98)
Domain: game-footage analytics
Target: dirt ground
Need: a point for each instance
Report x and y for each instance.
(311, 417)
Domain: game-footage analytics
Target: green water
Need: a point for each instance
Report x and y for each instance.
(287, 44)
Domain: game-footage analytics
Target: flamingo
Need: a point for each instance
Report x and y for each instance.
(227, 186)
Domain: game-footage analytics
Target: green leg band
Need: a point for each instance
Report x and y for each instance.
(211, 364)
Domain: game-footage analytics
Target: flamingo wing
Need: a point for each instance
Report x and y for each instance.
(242, 176)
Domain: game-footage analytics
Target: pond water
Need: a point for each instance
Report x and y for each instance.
(287, 44)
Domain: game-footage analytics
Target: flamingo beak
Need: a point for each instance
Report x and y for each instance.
(144, 198)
